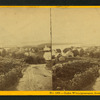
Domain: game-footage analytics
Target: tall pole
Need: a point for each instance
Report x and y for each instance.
(51, 32)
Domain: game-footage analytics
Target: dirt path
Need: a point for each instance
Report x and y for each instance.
(96, 86)
(35, 78)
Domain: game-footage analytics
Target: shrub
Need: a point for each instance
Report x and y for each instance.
(74, 74)
(58, 50)
(34, 60)
(3, 53)
(10, 71)
(81, 52)
(82, 80)
(75, 52)
(66, 50)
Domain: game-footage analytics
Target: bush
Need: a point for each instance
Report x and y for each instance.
(75, 52)
(66, 50)
(3, 53)
(81, 52)
(10, 72)
(58, 50)
(82, 80)
(74, 72)
(34, 60)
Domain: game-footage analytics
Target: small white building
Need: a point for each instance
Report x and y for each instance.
(46, 48)
(47, 53)
(26, 53)
(7, 49)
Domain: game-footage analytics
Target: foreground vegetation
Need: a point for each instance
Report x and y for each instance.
(74, 75)
(10, 71)
(14, 60)
(75, 68)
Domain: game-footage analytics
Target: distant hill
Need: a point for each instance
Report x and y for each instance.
(38, 46)
(64, 43)
(43, 45)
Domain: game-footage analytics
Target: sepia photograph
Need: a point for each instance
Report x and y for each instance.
(25, 49)
(49, 49)
(76, 49)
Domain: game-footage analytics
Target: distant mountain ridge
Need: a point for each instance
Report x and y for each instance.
(81, 44)
(64, 43)
(39, 45)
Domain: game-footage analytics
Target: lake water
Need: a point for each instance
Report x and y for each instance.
(62, 47)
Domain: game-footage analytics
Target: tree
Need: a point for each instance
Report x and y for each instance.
(66, 49)
(58, 50)
(81, 52)
(75, 52)
(3, 53)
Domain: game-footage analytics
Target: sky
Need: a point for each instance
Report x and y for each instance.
(31, 26)
(24, 26)
(76, 25)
